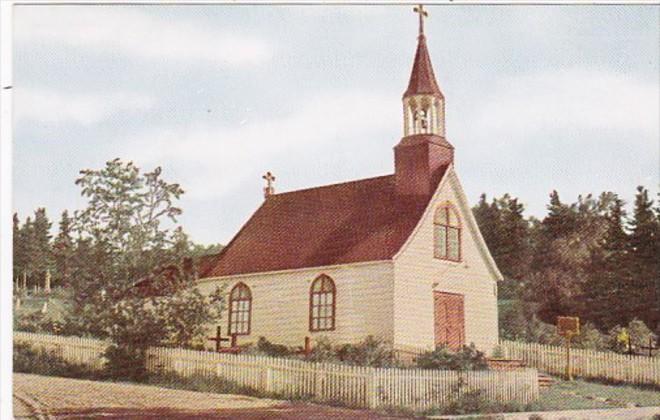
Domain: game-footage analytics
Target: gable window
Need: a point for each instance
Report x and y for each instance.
(240, 309)
(447, 234)
(322, 304)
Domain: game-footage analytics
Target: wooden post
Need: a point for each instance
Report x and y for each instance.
(308, 346)
(569, 375)
(234, 340)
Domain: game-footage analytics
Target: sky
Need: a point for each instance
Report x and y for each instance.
(537, 98)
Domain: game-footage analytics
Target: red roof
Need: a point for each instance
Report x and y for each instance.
(357, 221)
(422, 78)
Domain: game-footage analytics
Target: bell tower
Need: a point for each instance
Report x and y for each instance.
(423, 153)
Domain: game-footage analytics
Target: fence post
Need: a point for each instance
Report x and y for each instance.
(318, 382)
(268, 379)
(371, 394)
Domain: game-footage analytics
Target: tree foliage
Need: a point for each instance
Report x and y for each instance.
(586, 258)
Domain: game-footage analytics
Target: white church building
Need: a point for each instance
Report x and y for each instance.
(399, 257)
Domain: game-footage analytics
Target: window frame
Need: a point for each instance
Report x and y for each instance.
(312, 293)
(449, 209)
(233, 313)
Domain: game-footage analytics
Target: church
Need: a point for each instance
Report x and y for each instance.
(398, 257)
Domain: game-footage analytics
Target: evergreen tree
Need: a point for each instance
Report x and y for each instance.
(63, 250)
(609, 274)
(18, 249)
(40, 251)
(488, 218)
(513, 255)
(645, 251)
(27, 242)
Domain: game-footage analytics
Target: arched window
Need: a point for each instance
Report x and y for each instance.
(240, 309)
(447, 232)
(322, 304)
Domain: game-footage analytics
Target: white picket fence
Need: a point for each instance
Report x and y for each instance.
(324, 382)
(353, 385)
(586, 363)
(83, 351)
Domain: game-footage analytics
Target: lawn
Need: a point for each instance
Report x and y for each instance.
(57, 301)
(580, 394)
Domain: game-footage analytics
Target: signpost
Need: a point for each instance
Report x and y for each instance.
(568, 327)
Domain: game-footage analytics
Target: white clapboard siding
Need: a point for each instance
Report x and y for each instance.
(82, 351)
(353, 385)
(587, 363)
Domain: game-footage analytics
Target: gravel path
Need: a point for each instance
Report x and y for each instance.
(64, 398)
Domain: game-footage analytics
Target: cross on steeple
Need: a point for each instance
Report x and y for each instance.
(422, 14)
(270, 179)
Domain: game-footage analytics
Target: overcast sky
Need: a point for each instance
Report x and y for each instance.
(538, 98)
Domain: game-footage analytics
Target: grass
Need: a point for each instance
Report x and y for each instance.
(57, 302)
(581, 394)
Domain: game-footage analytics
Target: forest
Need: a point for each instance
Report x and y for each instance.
(590, 258)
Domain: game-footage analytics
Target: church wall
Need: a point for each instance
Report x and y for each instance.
(418, 274)
(280, 303)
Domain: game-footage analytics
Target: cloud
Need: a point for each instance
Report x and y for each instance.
(569, 99)
(52, 106)
(213, 159)
(136, 33)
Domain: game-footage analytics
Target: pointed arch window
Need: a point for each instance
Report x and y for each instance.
(240, 309)
(322, 304)
(447, 233)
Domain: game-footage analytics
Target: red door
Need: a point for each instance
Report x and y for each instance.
(449, 320)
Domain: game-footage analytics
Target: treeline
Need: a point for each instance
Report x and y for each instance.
(37, 252)
(588, 258)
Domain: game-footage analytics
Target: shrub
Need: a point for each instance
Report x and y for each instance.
(468, 358)
(28, 359)
(369, 352)
(126, 363)
(323, 351)
(276, 350)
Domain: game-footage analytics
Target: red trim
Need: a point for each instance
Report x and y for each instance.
(322, 277)
(231, 300)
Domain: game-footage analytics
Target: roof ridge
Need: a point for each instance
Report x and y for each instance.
(332, 185)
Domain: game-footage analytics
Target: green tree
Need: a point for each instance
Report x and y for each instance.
(644, 287)
(123, 232)
(28, 244)
(63, 250)
(18, 247)
(41, 253)
(609, 273)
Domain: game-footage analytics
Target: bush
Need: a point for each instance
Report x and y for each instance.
(275, 350)
(126, 363)
(468, 358)
(323, 351)
(369, 352)
(28, 359)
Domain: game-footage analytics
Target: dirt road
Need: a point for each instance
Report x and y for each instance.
(62, 398)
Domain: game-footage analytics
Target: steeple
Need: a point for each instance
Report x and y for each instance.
(423, 153)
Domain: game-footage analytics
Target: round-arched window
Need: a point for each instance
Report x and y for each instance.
(240, 309)
(322, 304)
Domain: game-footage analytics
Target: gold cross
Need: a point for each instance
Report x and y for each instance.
(422, 14)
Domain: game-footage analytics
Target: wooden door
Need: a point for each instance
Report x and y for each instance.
(449, 320)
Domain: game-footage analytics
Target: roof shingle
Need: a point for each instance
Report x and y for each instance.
(351, 222)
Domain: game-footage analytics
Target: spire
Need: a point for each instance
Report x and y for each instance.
(422, 78)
